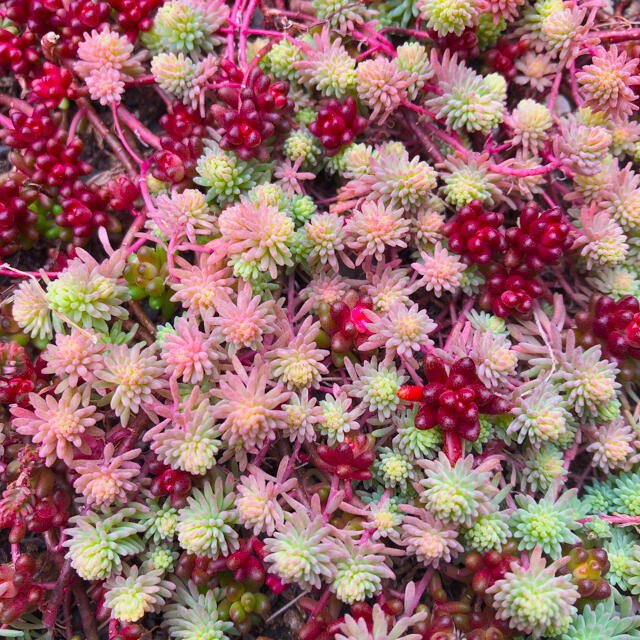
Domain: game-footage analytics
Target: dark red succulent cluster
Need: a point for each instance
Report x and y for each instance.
(338, 124)
(257, 110)
(501, 58)
(131, 632)
(53, 85)
(17, 220)
(43, 154)
(46, 155)
(19, 52)
(476, 234)
(489, 568)
(349, 460)
(18, 375)
(182, 145)
(632, 332)
(451, 618)
(540, 239)
(134, 15)
(42, 506)
(246, 564)
(345, 321)
(466, 617)
(464, 45)
(615, 324)
(171, 482)
(82, 211)
(453, 400)
(588, 568)
(511, 291)
(19, 594)
(123, 192)
(67, 19)
(50, 511)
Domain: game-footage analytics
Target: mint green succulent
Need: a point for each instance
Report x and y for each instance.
(611, 619)
(549, 523)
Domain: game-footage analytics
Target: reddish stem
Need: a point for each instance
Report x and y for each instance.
(103, 131)
(447, 139)
(523, 173)
(64, 581)
(15, 103)
(75, 121)
(141, 81)
(125, 144)
(619, 35)
(87, 617)
(416, 33)
(6, 270)
(322, 603)
(553, 94)
(420, 110)
(138, 128)
(242, 44)
(624, 520)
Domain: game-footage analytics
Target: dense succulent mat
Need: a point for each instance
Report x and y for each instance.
(320, 319)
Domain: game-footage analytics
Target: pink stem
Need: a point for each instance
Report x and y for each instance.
(446, 138)
(421, 110)
(138, 128)
(570, 455)
(296, 15)
(123, 140)
(322, 603)
(416, 33)
(523, 173)
(113, 141)
(502, 147)
(420, 589)
(290, 300)
(276, 34)
(378, 37)
(618, 35)
(219, 85)
(7, 271)
(75, 121)
(260, 456)
(462, 318)
(411, 371)
(292, 461)
(373, 41)
(242, 45)
(6, 122)
(16, 103)
(136, 245)
(427, 142)
(332, 491)
(136, 225)
(574, 85)
(141, 81)
(15, 552)
(231, 32)
(553, 94)
(47, 585)
(144, 189)
(626, 520)
(113, 628)
(548, 199)
(368, 52)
